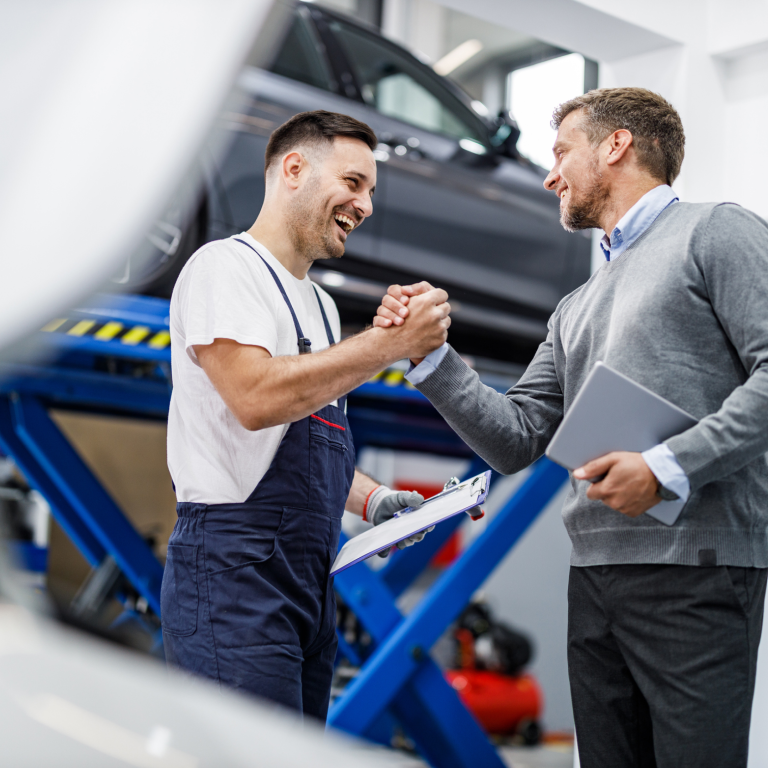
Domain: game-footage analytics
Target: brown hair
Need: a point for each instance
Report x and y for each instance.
(654, 123)
(319, 127)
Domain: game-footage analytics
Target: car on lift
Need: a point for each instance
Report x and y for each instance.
(456, 203)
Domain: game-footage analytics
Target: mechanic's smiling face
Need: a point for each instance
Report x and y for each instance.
(576, 177)
(335, 198)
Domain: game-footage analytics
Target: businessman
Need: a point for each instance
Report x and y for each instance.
(664, 622)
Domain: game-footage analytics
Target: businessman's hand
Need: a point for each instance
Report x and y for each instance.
(397, 305)
(629, 486)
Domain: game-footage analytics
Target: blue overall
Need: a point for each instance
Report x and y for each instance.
(246, 597)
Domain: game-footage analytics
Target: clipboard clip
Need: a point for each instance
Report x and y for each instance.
(477, 486)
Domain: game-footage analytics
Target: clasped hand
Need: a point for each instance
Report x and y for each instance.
(428, 311)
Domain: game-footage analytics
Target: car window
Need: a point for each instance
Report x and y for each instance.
(300, 59)
(396, 87)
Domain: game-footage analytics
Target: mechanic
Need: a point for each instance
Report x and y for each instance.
(259, 447)
(664, 622)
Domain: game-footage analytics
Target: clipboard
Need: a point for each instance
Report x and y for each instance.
(613, 413)
(452, 501)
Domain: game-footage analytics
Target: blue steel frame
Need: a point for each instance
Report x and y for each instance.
(399, 679)
(400, 675)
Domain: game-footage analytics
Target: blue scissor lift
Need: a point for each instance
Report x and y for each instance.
(113, 356)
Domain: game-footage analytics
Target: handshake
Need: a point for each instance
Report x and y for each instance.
(417, 318)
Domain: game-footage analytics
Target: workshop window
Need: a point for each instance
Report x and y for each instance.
(300, 59)
(397, 87)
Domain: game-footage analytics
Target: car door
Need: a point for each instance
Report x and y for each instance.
(455, 211)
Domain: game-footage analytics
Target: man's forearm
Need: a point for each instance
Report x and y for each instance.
(362, 485)
(282, 390)
(508, 431)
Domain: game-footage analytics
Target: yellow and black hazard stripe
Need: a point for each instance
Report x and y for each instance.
(392, 377)
(130, 335)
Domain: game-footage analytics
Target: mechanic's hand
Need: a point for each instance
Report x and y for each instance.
(394, 306)
(428, 313)
(629, 486)
(382, 505)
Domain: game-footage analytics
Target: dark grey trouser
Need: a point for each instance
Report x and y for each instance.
(662, 663)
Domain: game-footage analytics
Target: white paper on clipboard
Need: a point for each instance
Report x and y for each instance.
(452, 502)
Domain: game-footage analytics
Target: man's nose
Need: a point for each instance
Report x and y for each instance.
(550, 183)
(364, 205)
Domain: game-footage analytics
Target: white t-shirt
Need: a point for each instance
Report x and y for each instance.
(226, 291)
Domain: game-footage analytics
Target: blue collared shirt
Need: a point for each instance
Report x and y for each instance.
(637, 220)
(660, 459)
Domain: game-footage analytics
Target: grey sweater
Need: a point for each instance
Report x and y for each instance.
(684, 312)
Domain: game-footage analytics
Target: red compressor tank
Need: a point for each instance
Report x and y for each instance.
(501, 704)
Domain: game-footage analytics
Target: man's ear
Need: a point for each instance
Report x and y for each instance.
(293, 166)
(618, 144)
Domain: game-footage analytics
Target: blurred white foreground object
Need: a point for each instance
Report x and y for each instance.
(69, 701)
(103, 105)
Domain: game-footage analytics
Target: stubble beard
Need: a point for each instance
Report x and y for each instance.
(309, 227)
(584, 210)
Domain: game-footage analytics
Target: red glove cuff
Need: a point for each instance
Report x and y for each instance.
(365, 506)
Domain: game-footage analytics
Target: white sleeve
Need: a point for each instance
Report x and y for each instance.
(662, 462)
(417, 373)
(224, 297)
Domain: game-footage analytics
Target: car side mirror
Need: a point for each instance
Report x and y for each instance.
(506, 135)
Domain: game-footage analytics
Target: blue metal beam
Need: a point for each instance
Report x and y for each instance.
(444, 730)
(99, 391)
(401, 654)
(66, 515)
(428, 708)
(66, 470)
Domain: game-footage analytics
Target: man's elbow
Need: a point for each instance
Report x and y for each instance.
(508, 464)
(252, 419)
(505, 467)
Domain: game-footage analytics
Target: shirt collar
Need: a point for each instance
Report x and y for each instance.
(637, 220)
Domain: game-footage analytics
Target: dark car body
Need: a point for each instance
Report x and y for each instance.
(455, 203)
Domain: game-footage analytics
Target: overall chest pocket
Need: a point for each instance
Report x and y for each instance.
(327, 432)
(331, 464)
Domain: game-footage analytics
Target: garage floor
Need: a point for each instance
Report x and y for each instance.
(538, 757)
(555, 756)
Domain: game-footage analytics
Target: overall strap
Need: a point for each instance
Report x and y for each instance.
(328, 331)
(304, 343)
(342, 401)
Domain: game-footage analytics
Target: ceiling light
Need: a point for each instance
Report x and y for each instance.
(458, 56)
(333, 279)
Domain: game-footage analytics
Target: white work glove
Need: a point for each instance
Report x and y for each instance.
(382, 504)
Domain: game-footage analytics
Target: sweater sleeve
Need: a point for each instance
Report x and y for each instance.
(733, 262)
(510, 431)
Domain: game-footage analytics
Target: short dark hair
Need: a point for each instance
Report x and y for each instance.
(654, 123)
(318, 127)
